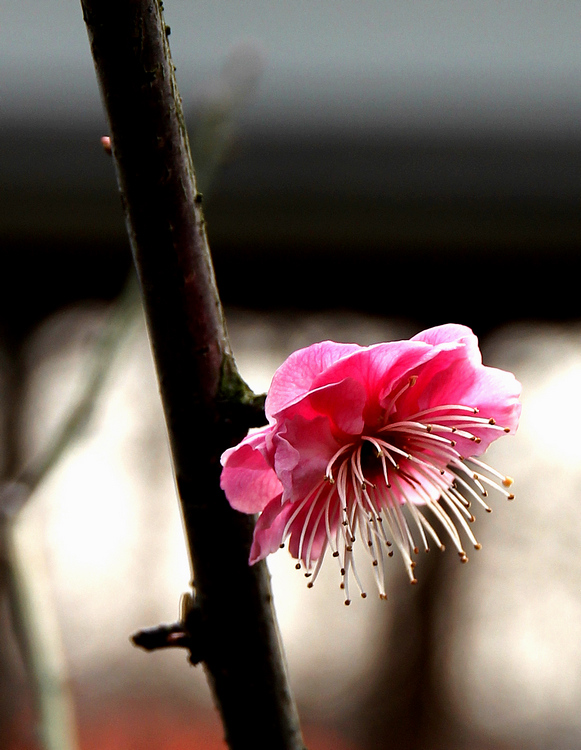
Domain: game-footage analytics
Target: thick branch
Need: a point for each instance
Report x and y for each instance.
(203, 396)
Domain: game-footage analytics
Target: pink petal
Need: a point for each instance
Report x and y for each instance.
(450, 344)
(303, 448)
(378, 369)
(447, 334)
(342, 403)
(247, 479)
(294, 378)
(495, 393)
(312, 531)
(269, 528)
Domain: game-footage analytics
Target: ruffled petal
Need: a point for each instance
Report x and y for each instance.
(450, 333)
(248, 480)
(495, 393)
(269, 529)
(308, 532)
(294, 378)
(303, 449)
(377, 369)
(342, 403)
(455, 358)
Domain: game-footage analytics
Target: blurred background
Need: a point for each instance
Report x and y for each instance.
(369, 169)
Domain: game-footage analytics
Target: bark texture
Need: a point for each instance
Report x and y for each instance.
(207, 405)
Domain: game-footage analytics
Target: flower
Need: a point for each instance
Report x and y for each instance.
(365, 442)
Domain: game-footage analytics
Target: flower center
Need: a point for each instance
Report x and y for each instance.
(370, 458)
(381, 486)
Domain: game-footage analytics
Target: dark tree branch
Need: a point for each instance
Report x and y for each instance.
(163, 636)
(207, 405)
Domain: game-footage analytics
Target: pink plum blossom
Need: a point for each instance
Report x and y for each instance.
(373, 444)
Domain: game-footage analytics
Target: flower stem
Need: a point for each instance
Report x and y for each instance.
(207, 405)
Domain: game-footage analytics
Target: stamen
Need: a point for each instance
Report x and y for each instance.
(375, 532)
(328, 526)
(417, 428)
(349, 559)
(381, 495)
(329, 469)
(356, 576)
(458, 465)
(430, 529)
(401, 533)
(457, 509)
(314, 532)
(462, 522)
(345, 581)
(375, 444)
(342, 490)
(304, 530)
(317, 569)
(388, 447)
(356, 467)
(492, 483)
(446, 522)
(410, 384)
(415, 514)
(421, 466)
(293, 516)
(443, 449)
(506, 481)
(443, 407)
(470, 421)
(402, 520)
(455, 497)
(376, 557)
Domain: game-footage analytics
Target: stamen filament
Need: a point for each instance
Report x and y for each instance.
(410, 384)
(444, 407)
(419, 466)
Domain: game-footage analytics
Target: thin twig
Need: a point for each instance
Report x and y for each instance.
(35, 624)
(31, 605)
(113, 334)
